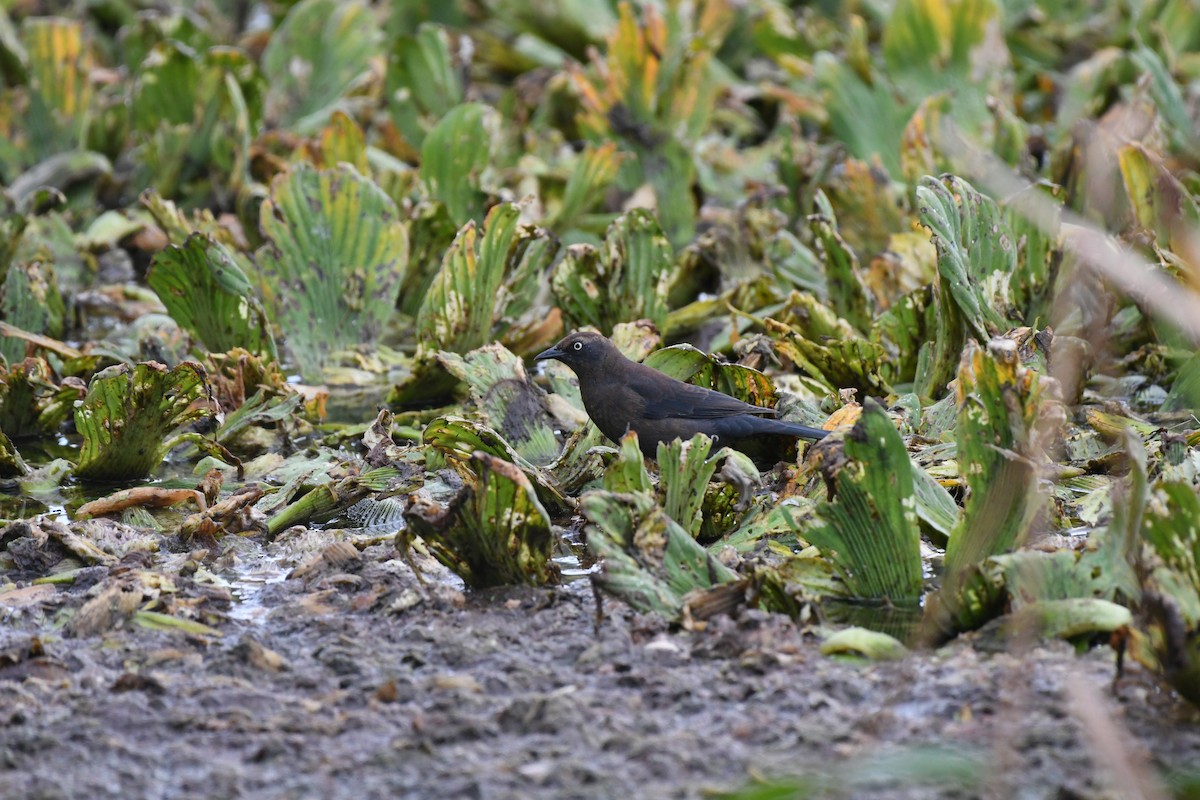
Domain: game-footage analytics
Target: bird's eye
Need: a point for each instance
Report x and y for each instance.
(579, 345)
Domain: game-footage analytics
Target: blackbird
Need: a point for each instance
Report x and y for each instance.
(622, 395)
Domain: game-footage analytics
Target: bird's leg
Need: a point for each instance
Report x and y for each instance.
(599, 598)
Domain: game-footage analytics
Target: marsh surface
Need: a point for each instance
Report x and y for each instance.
(356, 683)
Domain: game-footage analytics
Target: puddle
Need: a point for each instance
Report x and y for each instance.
(572, 569)
(248, 580)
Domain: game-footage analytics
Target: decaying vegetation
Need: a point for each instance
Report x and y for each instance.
(964, 237)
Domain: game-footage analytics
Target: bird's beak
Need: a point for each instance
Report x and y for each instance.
(552, 352)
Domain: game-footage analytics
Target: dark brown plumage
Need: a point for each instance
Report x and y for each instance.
(621, 395)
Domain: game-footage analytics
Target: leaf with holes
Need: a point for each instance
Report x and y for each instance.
(650, 560)
(336, 253)
(999, 406)
(509, 401)
(210, 297)
(484, 282)
(628, 278)
(128, 415)
(494, 533)
(30, 300)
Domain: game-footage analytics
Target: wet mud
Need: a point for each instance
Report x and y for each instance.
(349, 679)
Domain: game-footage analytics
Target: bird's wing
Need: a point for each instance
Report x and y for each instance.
(671, 398)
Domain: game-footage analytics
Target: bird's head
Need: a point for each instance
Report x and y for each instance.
(581, 351)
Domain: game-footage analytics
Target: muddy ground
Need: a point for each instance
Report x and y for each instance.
(354, 682)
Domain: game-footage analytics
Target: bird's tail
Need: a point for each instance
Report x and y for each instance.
(778, 426)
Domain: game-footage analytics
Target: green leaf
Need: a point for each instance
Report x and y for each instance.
(510, 402)
(1170, 571)
(1185, 389)
(496, 533)
(11, 463)
(60, 78)
(686, 363)
(595, 168)
(165, 88)
(323, 502)
(157, 621)
(1169, 99)
(929, 39)
(870, 644)
(335, 255)
(976, 260)
(685, 470)
(997, 416)
(318, 53)
(932, 47)
(31, 403)
(430, 234)
(976, 253)
(458, 439)
(847, 293)
(1032, 576)
(628, 279)
(455, 155)
(206, 292)
(650, 561)
(582, 461)
(570, 26)
(342, 140)
(12, 230)
(1161, 204)
(901, 331)
(671, 171)
(192, 115)
(627, 473)
(30, 300)
(851, 362)
(178, 226)
(128, 414)
(62, 171)
(870, 529)
(935, 507)
(1118, 545)
(1171, 526)
(1070, 618)
(655, 89)
(868, 117)
(14, 59)
(485, 284)
(1034, 285)
(422, 81)
(263, 406)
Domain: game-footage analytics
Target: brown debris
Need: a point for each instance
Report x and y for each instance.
(115, 603)
(260, 656)
(144, 496)
(235, 514)
(337, 555)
